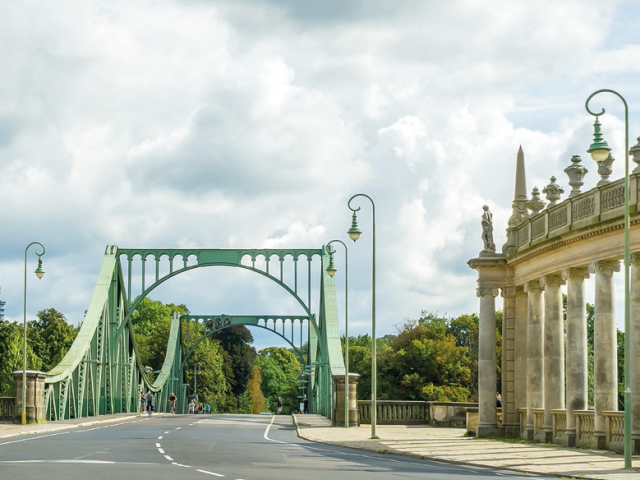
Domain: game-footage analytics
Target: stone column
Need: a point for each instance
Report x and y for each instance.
(553, 351)
(338, 400)
(521, 351)
(35, 409)
(577, 360)
(634, 336)
(605, 369)
(509, 413)
(487, 376)
(535, 352)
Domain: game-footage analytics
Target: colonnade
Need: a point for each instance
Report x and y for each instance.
(544, 364)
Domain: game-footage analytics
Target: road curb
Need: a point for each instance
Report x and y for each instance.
(48, 428)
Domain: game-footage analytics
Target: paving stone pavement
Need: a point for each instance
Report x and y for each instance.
(451, 444)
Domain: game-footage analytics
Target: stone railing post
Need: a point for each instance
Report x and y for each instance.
(487, 375)
(576, 358)
(535, 351)
(338, 400)
(605, 370)
(553, 351)
(35, 408)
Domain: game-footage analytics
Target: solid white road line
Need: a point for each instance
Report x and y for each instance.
(210, 473)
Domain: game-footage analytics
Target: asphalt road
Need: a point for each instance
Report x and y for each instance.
(185, 447)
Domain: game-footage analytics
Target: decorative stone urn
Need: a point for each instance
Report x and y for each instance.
(553, 191)
(535, 204)
(576, 173)
(604, 170)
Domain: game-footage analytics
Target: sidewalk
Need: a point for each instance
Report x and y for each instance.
(11, 430)
(450, 445)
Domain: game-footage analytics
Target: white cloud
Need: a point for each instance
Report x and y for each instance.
(250, 123)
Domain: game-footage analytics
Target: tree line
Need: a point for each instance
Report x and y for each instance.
(431, 358)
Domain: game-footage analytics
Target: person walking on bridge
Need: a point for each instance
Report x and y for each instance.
(149, 402)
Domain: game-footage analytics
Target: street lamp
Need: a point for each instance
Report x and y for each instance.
(354, 233)
(599, 151)
(39, 273)
(331, 271)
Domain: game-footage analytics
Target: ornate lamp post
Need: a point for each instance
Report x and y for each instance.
(599, 151)
(331, 271)
(354, 233)
(39, 273)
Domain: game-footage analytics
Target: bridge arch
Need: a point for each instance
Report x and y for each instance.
(102, 372)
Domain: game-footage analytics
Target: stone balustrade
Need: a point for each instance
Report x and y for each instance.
(589, 208)
(7, 406)
(394, 412)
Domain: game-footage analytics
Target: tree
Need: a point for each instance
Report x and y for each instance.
(11, 351)
(280, 372)
(236, 340)
(51, 337)
(254, 391)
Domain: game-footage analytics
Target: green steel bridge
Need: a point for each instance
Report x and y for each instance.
(102, 372)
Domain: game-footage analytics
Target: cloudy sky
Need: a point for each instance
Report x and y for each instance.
(249, 124)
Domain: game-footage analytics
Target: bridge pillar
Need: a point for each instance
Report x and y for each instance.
(553, 351)
(605, 369)
(535, 351)
(576, 358)
(634, 335)
(487, 376)
(338, 400)
(36, 410)
(520, 374)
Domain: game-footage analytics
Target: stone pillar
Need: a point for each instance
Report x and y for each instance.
(634, 336)
(338, 400)
(36, 411)
(487, 376)
(577, 360)
(605, 369)
(521, 351)
(535, 352)
(509, 413)
(553, 351)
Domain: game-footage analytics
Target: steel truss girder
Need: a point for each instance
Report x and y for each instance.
(102, 373)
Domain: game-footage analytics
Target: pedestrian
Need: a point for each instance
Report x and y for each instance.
(279, 405)
(149, 402)
(207, 408)
(172, 403)
(498, 400)
(305, 403)
(143, 402)
(192, 406)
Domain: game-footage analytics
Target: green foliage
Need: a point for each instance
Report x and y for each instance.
(445, 393)
(236, 342)
(280, 372)
(50, 337)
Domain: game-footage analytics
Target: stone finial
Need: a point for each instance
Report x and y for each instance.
(487, 231)
(553, 191)
(604, 170)
(635, 152)
(535, 204)
(576, 173)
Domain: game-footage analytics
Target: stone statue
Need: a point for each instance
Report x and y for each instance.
(487, 230)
